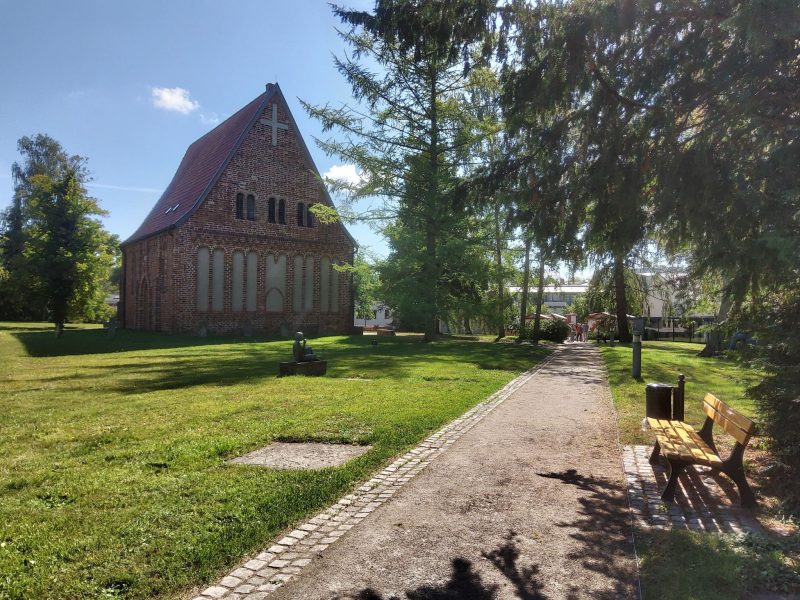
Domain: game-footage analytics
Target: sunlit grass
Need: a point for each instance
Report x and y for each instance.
(663, 362)
(681, 565)
(113, 474)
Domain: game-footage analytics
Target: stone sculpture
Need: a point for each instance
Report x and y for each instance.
(302, 352)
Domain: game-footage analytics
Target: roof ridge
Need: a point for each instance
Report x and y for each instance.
(185, 191)
(265, 97)
(206, 159)
(233, 116)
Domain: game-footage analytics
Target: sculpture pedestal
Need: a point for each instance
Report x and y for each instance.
(313, 368)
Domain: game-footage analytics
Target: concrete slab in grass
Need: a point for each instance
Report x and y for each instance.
(282, 455)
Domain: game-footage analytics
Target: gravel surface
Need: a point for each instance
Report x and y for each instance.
(530, 504)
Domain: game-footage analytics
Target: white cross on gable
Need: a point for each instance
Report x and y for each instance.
(274, 124)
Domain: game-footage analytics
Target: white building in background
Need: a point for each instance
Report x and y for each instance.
(660, 289)
(556, 297)
(381, 317)
(560, 296)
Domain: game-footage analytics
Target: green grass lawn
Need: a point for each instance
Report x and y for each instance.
(681, 565)
(113, 476)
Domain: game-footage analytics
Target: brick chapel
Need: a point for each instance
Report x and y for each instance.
(231, 246)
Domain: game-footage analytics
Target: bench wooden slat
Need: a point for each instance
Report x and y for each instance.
(680, 440)
(661, 426)
(737, 425)
(742, 422)
(698, 448)
(739, 435)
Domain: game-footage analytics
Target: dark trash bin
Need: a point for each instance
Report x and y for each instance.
(658, 399)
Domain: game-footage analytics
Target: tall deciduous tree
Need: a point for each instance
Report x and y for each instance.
(41, 155)
(59, 255)
(408, 135)
(366, 284)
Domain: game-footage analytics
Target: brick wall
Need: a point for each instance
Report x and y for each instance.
(161, 271)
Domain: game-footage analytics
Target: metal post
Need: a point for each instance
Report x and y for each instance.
(636, 368)
(678, 399)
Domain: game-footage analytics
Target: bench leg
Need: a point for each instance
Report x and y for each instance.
(676, 467)
(654, 454)
(733, 467)
(746, 496)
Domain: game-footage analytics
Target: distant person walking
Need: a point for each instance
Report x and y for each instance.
(579, 332)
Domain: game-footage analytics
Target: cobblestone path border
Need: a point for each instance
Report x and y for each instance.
(287, 556)
(703, 501)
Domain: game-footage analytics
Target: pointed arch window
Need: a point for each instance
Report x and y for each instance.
(203, 271)
(309, 216)
(251, 207)
(271, 210)
(324, 284)
(282, 211)
(237, 282)
(217, 278)
(301, 214)
(240, 206)
(252, 281)
(275, 282)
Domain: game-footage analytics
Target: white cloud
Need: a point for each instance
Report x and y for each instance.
(176, 99)
(78, 94)
(210, 119)
(344, 174)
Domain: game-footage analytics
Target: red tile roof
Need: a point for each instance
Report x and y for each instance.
(200, 168)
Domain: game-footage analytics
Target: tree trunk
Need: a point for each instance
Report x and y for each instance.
(467, 326)
(537, 321)
(498, 259)
(713, 345)
(432, 316)
(526, 280)
(621, 300)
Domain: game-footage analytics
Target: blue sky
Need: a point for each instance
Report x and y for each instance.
(101, 77)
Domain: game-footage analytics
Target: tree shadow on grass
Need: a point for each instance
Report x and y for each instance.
(180, 362)
(604, 532)
(13, 327)
(466, 583)
(43, 343)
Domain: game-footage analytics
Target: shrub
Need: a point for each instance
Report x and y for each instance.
(554, 330)
(778, 394)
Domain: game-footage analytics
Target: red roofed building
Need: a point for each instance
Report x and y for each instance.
(231, 246)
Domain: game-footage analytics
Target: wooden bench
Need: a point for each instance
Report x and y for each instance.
(682, 446)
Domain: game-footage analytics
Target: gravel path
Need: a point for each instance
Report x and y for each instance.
(530, 503)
